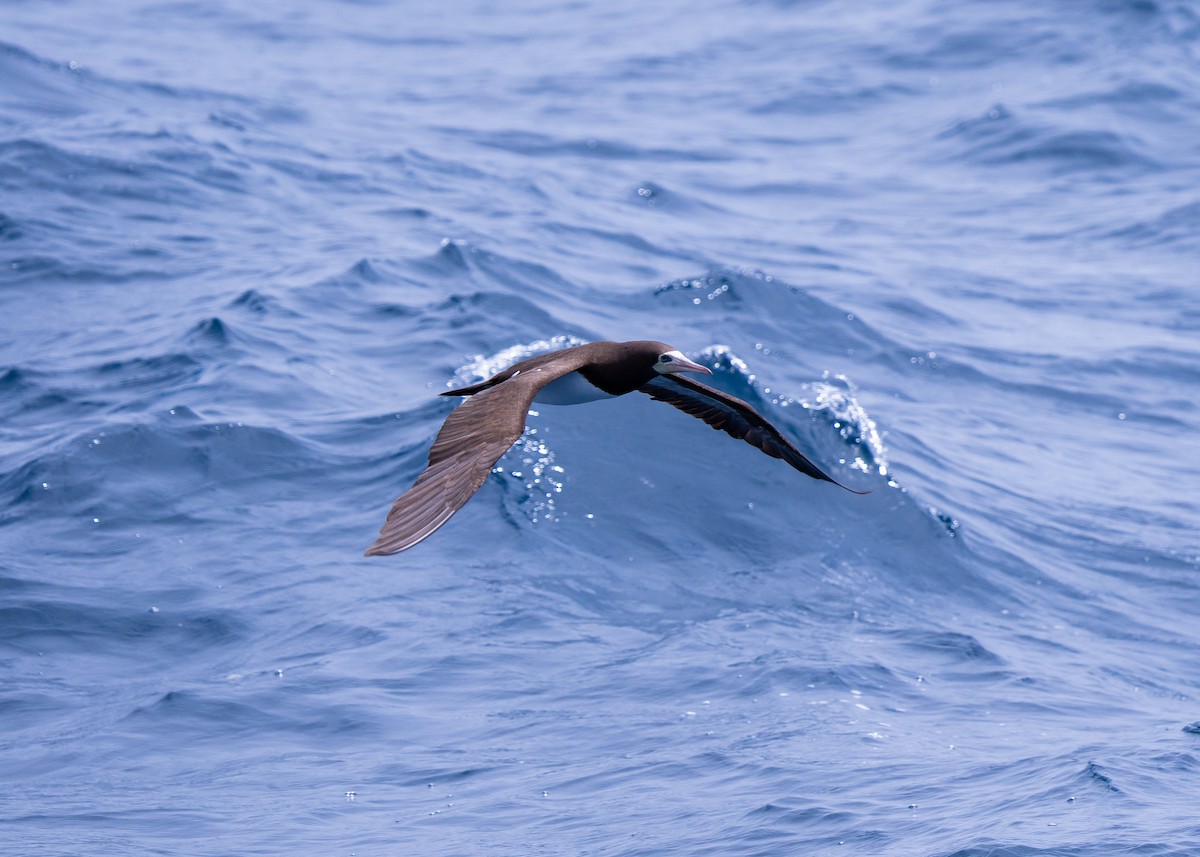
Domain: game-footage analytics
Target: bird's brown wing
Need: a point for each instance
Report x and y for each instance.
(470, 442)
(734, 417)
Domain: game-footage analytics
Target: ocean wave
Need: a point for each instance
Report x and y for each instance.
(1003, 136)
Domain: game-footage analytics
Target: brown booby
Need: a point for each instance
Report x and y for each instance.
(492, 419)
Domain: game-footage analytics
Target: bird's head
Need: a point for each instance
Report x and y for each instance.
(670, 361)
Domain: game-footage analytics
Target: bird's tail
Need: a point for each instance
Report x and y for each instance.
(469, 391)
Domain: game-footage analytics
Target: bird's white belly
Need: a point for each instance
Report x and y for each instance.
(570, 389)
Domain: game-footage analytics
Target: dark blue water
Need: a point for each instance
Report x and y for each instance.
(952, 248)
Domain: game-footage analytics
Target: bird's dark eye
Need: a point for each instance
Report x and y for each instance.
(666, 358)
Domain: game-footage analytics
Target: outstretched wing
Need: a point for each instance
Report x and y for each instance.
(471, 441)
(734, 417)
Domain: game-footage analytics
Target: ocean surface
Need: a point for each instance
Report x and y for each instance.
(951, 248)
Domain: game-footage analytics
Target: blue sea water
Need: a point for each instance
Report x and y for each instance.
(952, 248)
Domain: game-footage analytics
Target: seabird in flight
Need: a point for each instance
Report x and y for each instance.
(492, 419)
